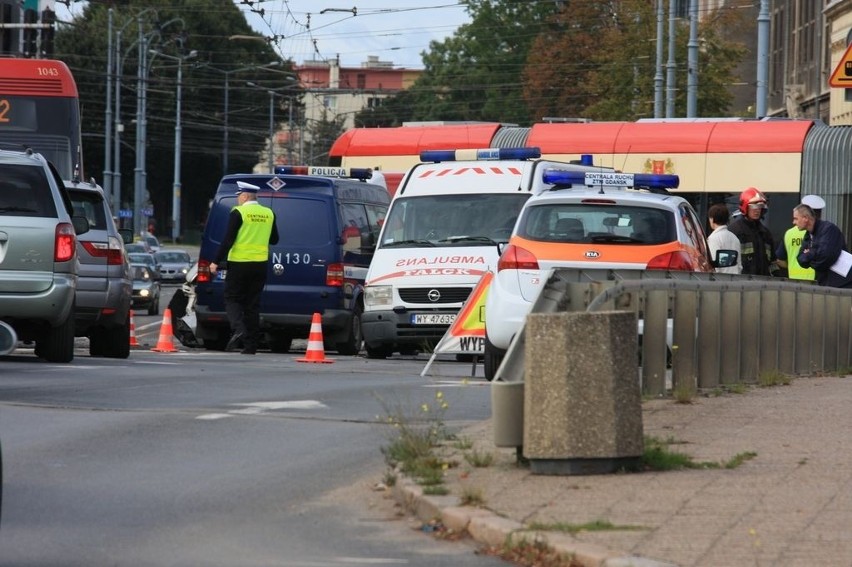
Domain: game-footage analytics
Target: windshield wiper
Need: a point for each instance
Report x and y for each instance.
(408, 243)
(455, 239)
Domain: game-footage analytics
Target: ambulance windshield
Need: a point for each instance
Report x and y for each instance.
(452, 220)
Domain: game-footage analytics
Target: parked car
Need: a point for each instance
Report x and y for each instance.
(145, 258)
(104, 284)
(174, 264)
(606, 226)
(146, 289)
(138, 246)
(38, 254)
(151, 241)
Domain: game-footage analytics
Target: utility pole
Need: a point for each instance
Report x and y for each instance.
(692, 62)
(658, 76)
(114, 205)
(671, 69)
(762, 59)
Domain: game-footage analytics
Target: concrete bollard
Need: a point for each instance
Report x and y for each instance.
(582, 399)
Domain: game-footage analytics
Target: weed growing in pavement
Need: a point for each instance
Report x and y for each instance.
(596, 526)
(769, 378)
(416, 433)
(658, 457)
(685, 390)
(479, 459)
(471, 496)
(463, 444)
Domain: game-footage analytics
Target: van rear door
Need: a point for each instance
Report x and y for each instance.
(307, 246)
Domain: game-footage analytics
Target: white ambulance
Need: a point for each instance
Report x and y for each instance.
(440, 236)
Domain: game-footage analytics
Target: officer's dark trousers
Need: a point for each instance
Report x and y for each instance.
(243, 285)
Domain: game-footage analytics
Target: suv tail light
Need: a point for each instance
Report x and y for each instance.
(203, 271)
(334, 275)
(674, 261)
(517, 258)
(65, 242)
(110, 250)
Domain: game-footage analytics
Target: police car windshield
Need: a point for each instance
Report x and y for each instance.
(452, 220)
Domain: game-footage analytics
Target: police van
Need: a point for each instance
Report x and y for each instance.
(440, 237)
(328, 219)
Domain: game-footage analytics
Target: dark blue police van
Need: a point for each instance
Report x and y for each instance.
(328, 219)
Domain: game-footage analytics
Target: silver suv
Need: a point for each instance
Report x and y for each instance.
(104, 284)
(38, 260)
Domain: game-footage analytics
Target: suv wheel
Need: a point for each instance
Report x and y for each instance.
(353, 343)
(493, 358)
(116, 341)
(58, 342)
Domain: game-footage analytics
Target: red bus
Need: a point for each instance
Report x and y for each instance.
(39, 109)
(715, 158)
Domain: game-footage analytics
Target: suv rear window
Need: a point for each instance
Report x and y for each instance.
(597, 223)
(90, 205)
(25, 192)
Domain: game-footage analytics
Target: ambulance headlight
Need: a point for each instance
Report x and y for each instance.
(378, 296)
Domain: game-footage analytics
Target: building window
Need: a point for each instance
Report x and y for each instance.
(374, 102)
(362, 81)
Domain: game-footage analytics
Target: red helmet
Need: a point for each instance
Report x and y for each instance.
(751, 196)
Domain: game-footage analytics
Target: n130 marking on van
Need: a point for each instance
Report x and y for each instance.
(290, 258)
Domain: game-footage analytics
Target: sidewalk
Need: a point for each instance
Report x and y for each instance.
(791, 505)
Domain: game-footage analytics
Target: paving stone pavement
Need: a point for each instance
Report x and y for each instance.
(788, 506)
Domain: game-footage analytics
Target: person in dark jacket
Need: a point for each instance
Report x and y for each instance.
(757, 244)
(821, 249)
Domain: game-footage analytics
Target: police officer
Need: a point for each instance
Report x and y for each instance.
(758, 246)
(251, 229)
(789, 249)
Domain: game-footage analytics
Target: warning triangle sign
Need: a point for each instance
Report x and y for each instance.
(842, 75)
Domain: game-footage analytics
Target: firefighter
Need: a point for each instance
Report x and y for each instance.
(758, 246)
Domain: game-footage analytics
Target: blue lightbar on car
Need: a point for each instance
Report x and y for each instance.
(362, 173)
(610, 179)
(480, 154)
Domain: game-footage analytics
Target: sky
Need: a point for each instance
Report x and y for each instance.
(392, 30)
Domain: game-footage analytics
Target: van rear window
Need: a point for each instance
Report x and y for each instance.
(303, 222)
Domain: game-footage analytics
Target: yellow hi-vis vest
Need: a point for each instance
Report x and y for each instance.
(252, 242)
(793, 242)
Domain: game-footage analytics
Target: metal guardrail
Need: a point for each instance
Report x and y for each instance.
(724, 329)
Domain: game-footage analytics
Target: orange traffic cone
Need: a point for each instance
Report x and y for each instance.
(315, 352)
(166, 341)
(133, 341)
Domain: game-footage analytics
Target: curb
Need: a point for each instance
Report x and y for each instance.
(488, 528)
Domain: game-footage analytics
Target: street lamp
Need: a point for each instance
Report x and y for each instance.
(176, 186)
(225, 140)
(272, 94)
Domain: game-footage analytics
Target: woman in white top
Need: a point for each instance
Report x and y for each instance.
(723, 239)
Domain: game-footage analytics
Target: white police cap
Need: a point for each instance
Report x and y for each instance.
(814, 201)
(243, 187)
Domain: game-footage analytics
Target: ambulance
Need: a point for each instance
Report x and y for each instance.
(440, 237)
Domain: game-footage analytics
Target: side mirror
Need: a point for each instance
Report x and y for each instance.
(725, 258)
(126, 235)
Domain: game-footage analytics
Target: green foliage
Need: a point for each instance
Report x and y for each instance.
(479, 459)
(174, 28)
(769, 378)
(659, 457)
(595, 526)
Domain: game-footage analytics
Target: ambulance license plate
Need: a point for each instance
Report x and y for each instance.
(433, 319)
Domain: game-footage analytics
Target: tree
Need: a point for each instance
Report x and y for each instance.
(599, 62)
(323, 133)
(174, 28)
(475, 74)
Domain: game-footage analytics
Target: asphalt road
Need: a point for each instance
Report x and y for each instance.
(216, 459)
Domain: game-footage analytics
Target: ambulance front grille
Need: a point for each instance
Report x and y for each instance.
(422, 294)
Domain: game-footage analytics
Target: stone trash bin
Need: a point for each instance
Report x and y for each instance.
(582, 399)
